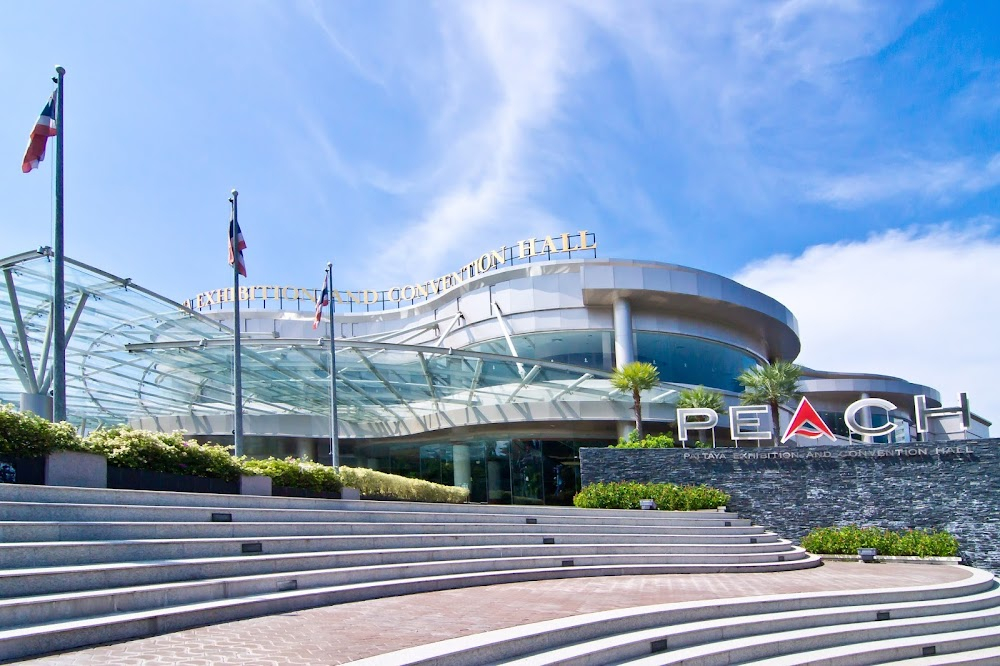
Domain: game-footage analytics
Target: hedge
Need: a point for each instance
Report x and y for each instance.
(665, 441)
(847, 540)
(391, 486)
(25, 435)
(293, 473)
(668, 496)
(163, 452)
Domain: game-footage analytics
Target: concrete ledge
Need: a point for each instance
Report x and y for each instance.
(75, 468)
(899, 559)
(255, 485)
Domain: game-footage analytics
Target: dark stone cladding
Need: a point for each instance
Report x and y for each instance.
(953, 486)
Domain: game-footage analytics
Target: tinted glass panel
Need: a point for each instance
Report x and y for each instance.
(685, 360)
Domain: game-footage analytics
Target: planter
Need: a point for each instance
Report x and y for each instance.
(901, 559)
(61, 468)
(30, 471)
(125, 478)
(287, 491)
(255, 485)
(76, 469)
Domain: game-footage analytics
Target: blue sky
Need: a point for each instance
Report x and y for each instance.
(843, 157)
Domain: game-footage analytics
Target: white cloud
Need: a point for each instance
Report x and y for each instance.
(920, 305)
(508, 70)
(935, 181)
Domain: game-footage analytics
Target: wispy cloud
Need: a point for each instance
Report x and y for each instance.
(923, 179)
(509, 71)
(916, 304)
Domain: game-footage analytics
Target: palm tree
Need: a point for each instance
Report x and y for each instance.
(702, 397)
(772, 385)
(636, 377)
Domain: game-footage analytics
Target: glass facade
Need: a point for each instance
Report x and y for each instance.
(501, 471)
(590, 349)
(683, 359)
(680, 359)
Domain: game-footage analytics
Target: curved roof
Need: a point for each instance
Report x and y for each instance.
(133, 353)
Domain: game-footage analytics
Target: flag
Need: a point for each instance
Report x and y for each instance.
(240, 246)
(44, 127)
(322, 302)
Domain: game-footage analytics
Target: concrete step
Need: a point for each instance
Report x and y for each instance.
(40, 608)
(66, 553)
(44, 580)
(989, 656)
(25, 511)
(36, 531)
(945, 648)
(63, 635)
(697, 642)
(597, 638)
(838, 644)
(70, 495)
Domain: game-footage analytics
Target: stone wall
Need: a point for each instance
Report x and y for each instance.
(953, 486)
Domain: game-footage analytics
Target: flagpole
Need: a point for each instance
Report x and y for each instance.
(237, 364)
(334, 435)
(59, 276)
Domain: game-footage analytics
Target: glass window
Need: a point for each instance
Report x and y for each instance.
(686, 360)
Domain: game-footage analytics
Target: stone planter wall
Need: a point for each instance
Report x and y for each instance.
(953, 486)
(124, 478)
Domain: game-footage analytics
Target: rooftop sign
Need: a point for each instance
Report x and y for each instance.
(364, 300)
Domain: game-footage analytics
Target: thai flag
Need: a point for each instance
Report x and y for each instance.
(240, 246)
(322, 302)
(44, 127)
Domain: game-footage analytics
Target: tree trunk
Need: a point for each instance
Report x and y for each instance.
(776, 425)
(638, 412)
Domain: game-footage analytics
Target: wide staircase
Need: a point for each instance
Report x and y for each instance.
(81, 566)
(952, 623)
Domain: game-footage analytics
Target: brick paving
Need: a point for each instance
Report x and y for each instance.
(343, 633)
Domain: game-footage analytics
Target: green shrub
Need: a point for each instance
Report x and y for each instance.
(391, 486)
(847, 540)
(668, 496)
(162, 452)
(648, 442)
(26, 435)
(294, 473)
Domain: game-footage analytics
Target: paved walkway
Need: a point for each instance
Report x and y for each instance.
(340, 634)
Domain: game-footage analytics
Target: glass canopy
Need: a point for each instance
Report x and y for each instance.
(133, 353)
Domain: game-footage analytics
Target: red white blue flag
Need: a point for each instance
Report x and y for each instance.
(240, 246)
(322, 302)
(44, 127)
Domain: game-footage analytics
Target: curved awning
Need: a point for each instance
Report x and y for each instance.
(133, 353)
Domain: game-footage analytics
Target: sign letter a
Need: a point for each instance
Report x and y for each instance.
(806, 422)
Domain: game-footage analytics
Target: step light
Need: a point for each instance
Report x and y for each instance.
(255, 547)
(222, 517)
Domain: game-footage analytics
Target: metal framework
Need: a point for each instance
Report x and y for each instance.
(134, 353)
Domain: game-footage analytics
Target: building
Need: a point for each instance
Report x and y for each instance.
(492, 376)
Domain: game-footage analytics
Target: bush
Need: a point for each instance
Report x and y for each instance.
(648, 442)
(668, 496)
(390, 486)
(847, 540)
(162, 452)
(293, 473)
(25, 435)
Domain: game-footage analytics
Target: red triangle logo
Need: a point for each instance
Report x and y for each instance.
(806, 422)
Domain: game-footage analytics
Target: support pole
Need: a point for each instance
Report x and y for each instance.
(334, 434)
(237, 364)
(59, 276)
